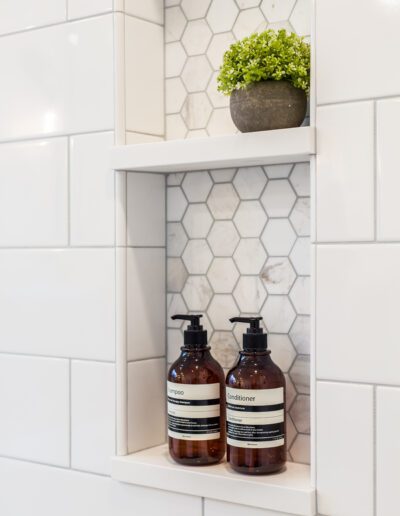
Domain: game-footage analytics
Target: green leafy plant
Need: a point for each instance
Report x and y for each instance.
(270, 55)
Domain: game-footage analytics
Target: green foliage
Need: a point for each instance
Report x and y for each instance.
(270, 55)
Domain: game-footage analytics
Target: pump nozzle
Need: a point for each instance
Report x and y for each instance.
(253, 321)
(193, 318)
(194, 335)
(254, 339)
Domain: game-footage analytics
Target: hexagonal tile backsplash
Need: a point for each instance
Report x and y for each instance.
(197, 33)
(238, 243)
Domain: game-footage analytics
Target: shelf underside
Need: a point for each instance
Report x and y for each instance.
(289, 491)
(244, 149)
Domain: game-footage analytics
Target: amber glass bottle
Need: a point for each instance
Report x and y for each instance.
(255, 401)
(195, 388)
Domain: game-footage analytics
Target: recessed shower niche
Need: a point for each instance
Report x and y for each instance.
(219, 226)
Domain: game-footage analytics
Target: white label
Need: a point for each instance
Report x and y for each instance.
(255, 417)
(193, 411)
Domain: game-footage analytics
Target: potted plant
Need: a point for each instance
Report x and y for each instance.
(267, 76)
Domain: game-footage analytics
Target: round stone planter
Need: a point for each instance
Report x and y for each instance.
(266, 105)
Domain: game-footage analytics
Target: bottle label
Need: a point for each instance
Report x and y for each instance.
(193, 411)
(255, 417)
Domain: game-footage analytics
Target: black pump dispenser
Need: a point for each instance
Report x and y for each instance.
(194, 336)
(254, 339)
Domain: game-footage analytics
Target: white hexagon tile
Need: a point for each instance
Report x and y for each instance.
(197, 33)
(237, 243)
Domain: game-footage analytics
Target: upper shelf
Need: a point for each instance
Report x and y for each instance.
(288, 492)
(237, 150)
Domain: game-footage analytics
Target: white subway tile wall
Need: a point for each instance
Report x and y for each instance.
(197, 33)
(48, 491)
(229, 248)
(345, 437)
(357, 255)
(62, 211)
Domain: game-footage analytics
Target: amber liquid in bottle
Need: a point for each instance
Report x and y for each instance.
(196, 366)
(255, 370)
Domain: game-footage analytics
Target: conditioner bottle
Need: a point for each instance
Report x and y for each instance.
(255, 402)
(195, 389)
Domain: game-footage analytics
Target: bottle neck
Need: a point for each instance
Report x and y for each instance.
(246, 355)
(193, 350)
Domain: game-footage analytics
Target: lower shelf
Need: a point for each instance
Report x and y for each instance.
(289, 491)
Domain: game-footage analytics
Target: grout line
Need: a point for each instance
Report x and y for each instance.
(39, 355)
(69, 191)
(374, 433)
(357, 382)
(353, 101)
(375, 171)
(88, 247)
(55, 466)
(203, 509)
(360, 242)
(70, 411)
(51, 136)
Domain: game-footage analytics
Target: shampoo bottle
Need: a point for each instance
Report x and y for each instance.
(255, 402)
(195, 389)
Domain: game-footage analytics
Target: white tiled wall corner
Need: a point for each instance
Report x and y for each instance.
(217, 508)
(146, 209)
(146, 402)
(58, 302)
(27, 14)
(388, 450)
(388, 178)
(91, 190)
(151, 10)
(34, 489)
(345, 178)
(357, 293)
(34, 403)
(92, 416)
(34, 193)
(345, 449)
(352, 55)
(79, 9)
(146, 302)
(144, 76)
(60, 80)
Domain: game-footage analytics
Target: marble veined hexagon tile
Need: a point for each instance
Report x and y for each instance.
(238, 243)
(197, 33)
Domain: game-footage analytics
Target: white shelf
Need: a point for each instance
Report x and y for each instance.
(243, 149)
(289, 491)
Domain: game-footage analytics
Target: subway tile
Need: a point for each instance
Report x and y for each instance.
(146, 209)
(217, 508)
(151, 10)
(65, 299)
(357, 293)
(354, 56)
(34, 407)
(92, 416)
(27, 14)
(388, 181)
(146, 388)
(345, 163)
(47, 100)
(79, 9)
(144, 95)
(388, 450)
(34, 193)
(70, 492)
(345, 449)
(91, 190)
(146, 303)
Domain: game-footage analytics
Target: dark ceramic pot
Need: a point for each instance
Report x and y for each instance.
(266, 105)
